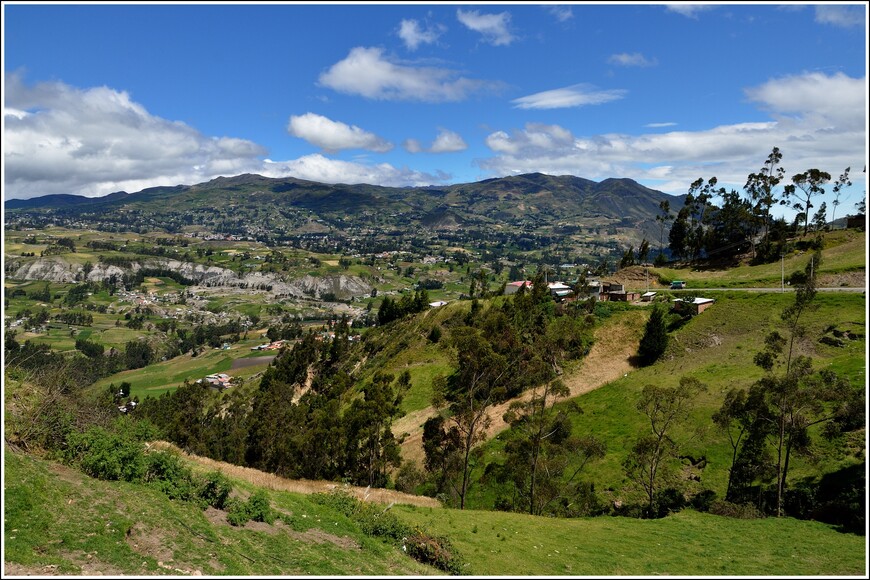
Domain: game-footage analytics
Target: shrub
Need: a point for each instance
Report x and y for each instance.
(215, 490)
(735, 510)
(374, 520)
(237, 512)
(437, 552)
(703, 500)
(166, 472)
(259, 508)
(105, 455)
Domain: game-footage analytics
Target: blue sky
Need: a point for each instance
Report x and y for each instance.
(101, 98)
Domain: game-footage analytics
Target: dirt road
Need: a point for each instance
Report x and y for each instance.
(615, 344)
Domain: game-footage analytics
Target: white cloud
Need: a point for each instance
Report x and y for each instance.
(573, 96)
(659, 125)
(323, 169)
(562, 13)
(367, 73)
(493, 27)
(689, 10)
(817, 121)
(413, 35)
(61, 139)
(633, 59)
(840, 15)
(448, 142)
(334, 136)
(816, 97)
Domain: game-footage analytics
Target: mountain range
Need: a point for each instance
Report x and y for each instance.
(531, 201)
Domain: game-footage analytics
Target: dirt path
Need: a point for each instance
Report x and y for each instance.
(608, 360)
(272, 481)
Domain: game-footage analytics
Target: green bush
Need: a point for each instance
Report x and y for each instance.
(259, 508)
(105, 455)
(237, 512)
(166, 472)
(215, 490)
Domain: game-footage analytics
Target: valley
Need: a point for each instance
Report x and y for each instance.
(344, 352)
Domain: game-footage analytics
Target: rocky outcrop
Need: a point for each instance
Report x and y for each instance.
(342, 287)
(51, 269)
(57, 269)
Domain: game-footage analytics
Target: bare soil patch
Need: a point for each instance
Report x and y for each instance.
(148, 542)
(843, 280)
(241, 363)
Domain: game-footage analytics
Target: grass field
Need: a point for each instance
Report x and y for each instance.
(844, 251)
(162, 377)
(59, 521)
(685, 544)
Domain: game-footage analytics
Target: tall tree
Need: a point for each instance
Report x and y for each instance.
(371, 446)
(647, 463)
(663, 218)
(842, 181)
(655, 337)
(542, 449)
(803, 188)
(477, 384)
(761, 190)
(679, 234)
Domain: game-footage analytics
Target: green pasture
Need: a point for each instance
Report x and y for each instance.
(685, 544)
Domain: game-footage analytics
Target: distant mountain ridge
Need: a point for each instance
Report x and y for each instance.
(530, 200)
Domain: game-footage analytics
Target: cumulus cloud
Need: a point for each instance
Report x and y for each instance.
(840, 15)
(366, 72)
(633, 59)
(446, 142)
(816, 97)
(689, 10)
(817, 120)
(320, 168)
(61, 139)
(493, 27)
(414, 35)
(574, 96)
(334, 136)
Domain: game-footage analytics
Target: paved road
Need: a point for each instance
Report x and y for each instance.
(787, 289)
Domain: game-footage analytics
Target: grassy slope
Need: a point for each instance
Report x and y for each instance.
(844, 251)
(688, 543)
(716, 347)
(60, 521)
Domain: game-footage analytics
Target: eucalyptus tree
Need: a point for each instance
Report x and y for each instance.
(803, 188)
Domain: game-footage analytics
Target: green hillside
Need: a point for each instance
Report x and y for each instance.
(59, 521)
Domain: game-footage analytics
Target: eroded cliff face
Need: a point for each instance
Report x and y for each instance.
(51, 269)
(57, 269)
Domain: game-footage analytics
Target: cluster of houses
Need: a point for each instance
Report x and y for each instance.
(610, 291)
(275, 345)
(219, 380)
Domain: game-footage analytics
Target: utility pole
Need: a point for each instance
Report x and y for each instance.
(782, 271)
